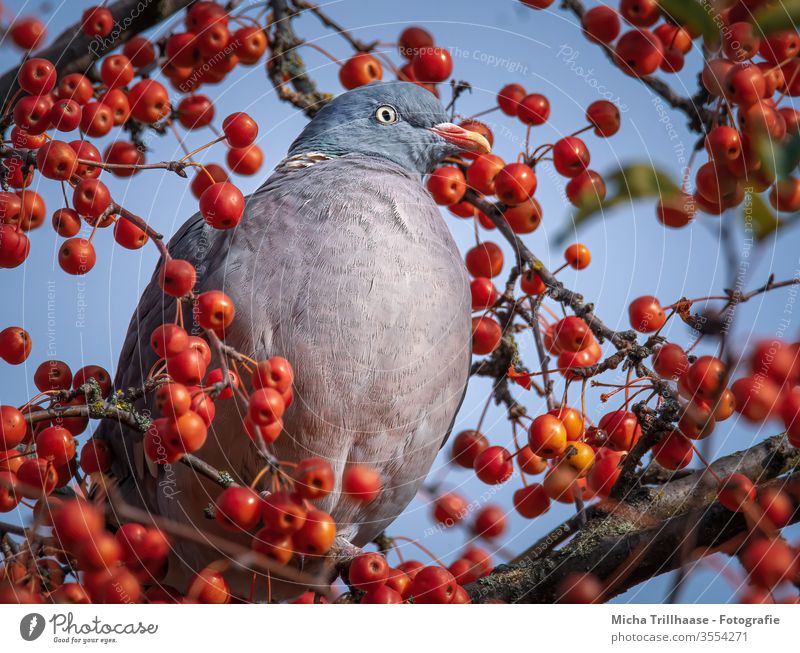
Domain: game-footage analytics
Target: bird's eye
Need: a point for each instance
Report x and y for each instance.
(386, 114)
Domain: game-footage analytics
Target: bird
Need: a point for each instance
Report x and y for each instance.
(342, 264)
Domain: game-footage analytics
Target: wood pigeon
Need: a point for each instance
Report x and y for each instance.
(342, 264)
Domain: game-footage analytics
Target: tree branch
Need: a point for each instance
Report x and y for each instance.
(642, 536)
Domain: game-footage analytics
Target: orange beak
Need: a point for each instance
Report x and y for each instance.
(463, 138)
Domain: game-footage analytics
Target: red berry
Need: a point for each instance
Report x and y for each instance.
(447, 185)
(37, 76)
(283, 513)
(177, 277)
(674, 451)
(547, 436)
(412, 40)
(432, 65)
(314, 478)
(55, 444)
(266, 406)
(215, 310)
(490, 522)
(359, 70)
(129, 235)
(745, 84)
(601, 24)
(485, 260)
(670, 361)
(466, 447)
(531, 501)
(140, 51)
(450, 508)
(12, 427)
(222, 205)
(245, 160)
(740, 41)
(769, 562)
(580, 588)
(641, 13)
(515, 183)
(32, 113)
(509, 98)
(493, 465)
(37, 476)
(482, 172)
(639, 52)
(531, 283)
(15, 345)
(604, 117)
(317, 534)
(116, 71)
(676, 209)
(534, 109)
(483, 292)
(606, 471)
(240, 129)
(578, 256)
(486, 335)
(586, 189)
(433, 585)
(367, 571)
(646, 314)
(238, 508)
(622, 428)
(97, 119)
(27, 33)
(97, 21)
(361, 483)
(96, 456)
(736, 492)
(167, 340)
(149, 101)
(570, 156)
(52, 375)
(757, 397)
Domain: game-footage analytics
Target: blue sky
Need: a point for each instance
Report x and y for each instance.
(83, 319)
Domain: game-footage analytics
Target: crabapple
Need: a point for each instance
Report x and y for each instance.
(360, 69)
(493, 465)
(515, 183)
(361, 483)
(601, 24)
(486, 335)
(547, 436)
(466, 447)
(238, 508)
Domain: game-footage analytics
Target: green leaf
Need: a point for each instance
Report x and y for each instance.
(779, 159)
(780, 16)
(631, 182)
(694, 15)
(759, 217)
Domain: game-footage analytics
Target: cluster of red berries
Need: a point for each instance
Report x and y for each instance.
(186, 404)
(74, 102)
(374, 581)
(743, 74)
(209, 49)
(426, 64)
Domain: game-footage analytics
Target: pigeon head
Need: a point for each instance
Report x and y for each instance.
(398, 121)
